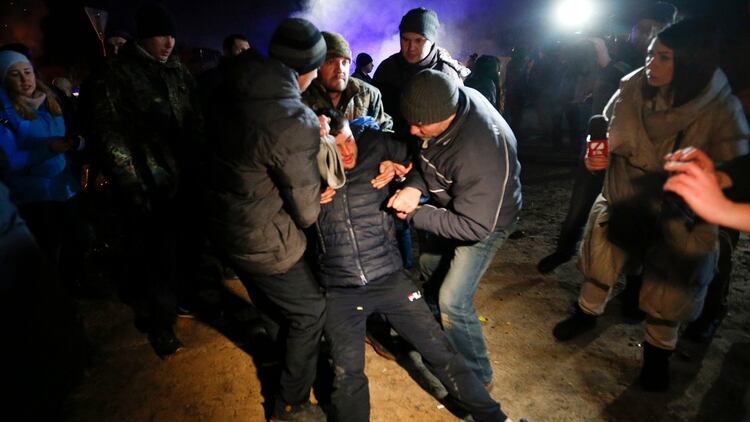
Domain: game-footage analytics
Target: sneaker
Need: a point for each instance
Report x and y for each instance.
(165, 343)
(306, 412)
(550, 262)
(574, 325)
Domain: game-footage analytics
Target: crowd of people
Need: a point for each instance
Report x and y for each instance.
(306, 182)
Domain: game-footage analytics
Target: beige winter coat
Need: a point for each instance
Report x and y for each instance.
(677, 266)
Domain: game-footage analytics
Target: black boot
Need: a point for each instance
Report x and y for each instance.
(550, 262)
(655, 370)
(574, 325)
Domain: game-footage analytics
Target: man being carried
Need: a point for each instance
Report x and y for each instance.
(361, 269)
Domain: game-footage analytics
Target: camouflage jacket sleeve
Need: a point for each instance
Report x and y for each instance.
(114, 132)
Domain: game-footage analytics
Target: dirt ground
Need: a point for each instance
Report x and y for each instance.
(215, 378)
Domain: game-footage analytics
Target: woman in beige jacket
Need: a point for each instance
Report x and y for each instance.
(679, 99)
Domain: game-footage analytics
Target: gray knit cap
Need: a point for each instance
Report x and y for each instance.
(298, 44)
(429, 97)
(420, 21)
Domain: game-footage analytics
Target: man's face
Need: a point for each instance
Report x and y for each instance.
(414, 47)
(643, 32)
(347, 147)
(306, 79)
(659, 64)
(238, 47)
(334, 73)
(431, 130)
(114, 44)
(160, 46)
(367, 69)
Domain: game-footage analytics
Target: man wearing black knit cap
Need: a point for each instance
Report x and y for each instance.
(364, 67)
(149, 135)
(264, 189)
(418, 31)
(468, 168)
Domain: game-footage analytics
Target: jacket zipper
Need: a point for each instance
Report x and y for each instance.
(362, 277)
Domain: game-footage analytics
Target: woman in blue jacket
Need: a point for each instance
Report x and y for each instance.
(33, 140)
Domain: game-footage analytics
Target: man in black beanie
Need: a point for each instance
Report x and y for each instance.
(418, 30)
(469, 170)
(364, 67)
(149, 135)
(264, 189)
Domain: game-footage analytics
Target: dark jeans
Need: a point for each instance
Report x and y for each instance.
(586, 187)
(715, 305)
(295, 301)
(399, 300)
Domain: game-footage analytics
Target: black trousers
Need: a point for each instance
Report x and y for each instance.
(399, 300)
(295, 301)
(586, 187)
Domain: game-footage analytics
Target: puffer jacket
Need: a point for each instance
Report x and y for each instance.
(683, 254)
(264, 183)
(148, 123)
(395, 72)
(356, 233)
(35, 173)
(471, 173)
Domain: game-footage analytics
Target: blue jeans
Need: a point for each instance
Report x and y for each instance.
(451, 271)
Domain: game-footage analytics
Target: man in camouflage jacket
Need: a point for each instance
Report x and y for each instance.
(334, 88)
(147, 121)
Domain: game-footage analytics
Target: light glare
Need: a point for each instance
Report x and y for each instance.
(574, 13)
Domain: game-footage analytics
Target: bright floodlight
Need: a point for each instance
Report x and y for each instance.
(574, 13)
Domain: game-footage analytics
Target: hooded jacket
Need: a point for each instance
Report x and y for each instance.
(471, 174)
(264, 183)
(713, 122)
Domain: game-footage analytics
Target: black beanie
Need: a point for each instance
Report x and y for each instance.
(420, 21)
(429, 97)
(298, 44)
(363, 59)
(154, 20)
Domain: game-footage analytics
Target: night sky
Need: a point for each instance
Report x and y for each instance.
(59, 32)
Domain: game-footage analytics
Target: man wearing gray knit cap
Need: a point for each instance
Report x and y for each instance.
(264, 189)
(469, 170)
(418, 33)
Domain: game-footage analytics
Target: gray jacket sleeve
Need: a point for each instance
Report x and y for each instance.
(478, 189)
(296, 170)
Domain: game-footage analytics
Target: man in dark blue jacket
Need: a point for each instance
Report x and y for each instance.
(468, 167)
(360, 266)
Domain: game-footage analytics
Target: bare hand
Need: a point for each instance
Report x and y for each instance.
(61, 145)
(699, 189)
(325, 127)
(402, 170)
(677, 159)
(327, 195)
(596, 163)
(405, 201)
(387, 173)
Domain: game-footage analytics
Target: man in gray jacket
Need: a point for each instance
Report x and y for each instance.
(469, 170)
(264, 189)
